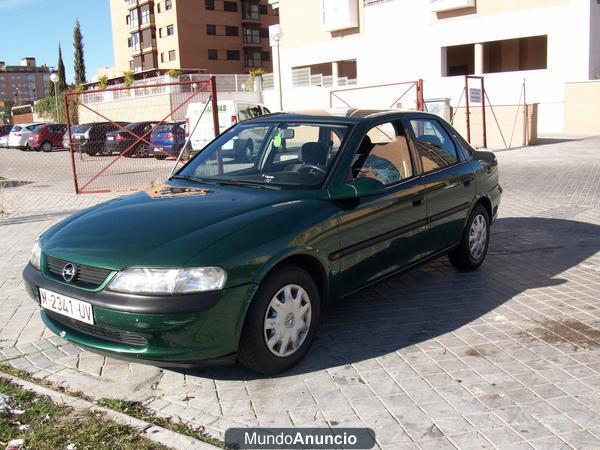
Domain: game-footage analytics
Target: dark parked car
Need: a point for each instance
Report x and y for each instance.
(128, 138)
(46, 137)
(235, 261)
(167, 139)
(90, 137)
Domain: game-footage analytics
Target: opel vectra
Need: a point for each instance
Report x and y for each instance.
(235, 260)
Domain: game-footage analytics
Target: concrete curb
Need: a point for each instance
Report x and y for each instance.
(155, 433)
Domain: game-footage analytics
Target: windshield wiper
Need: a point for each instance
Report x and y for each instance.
(246, 183)
(188, 178)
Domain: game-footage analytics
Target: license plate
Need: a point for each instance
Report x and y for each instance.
(67, 306)
(110, 138)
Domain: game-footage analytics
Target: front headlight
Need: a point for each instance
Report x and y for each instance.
(168, 281)
(36, 255)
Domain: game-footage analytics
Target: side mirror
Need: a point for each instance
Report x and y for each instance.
(359, 187)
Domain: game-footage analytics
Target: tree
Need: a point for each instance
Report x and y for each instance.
(51, 92)
(79, 62)
(61, 83)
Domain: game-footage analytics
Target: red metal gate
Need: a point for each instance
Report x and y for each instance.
(129, 138)
(406, 95)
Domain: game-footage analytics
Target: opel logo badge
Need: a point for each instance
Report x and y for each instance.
(68, 272)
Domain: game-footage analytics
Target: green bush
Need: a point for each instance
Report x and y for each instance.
(47, 107)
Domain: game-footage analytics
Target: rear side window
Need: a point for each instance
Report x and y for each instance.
(16, 129)
(434, 146)
(384, 155)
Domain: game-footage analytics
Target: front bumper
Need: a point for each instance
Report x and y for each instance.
(179, 330)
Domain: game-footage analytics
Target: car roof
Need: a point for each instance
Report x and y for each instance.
(341, 115)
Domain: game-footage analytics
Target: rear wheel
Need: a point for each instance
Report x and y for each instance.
(47, 147)
(142, 151)
(281, 322)
(474, 244)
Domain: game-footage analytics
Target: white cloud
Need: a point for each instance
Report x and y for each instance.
(14, 4)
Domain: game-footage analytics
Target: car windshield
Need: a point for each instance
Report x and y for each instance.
(283, 153)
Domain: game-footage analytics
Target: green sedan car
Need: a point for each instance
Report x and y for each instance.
(234, 260)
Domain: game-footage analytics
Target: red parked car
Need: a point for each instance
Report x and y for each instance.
(47, 136)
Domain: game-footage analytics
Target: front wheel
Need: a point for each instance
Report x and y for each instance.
(474, 244)
(281, 322)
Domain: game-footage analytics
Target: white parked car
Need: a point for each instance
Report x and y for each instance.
(4, 131)
(20, 133)
(200, 126)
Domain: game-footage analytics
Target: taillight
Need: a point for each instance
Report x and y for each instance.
(233, 120)
(168, 135)
(119, 137)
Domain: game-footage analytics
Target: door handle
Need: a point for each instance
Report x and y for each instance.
(418, 201)
(467, 179)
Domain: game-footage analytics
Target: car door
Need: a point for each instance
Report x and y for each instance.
(448, 181)
(382, 233)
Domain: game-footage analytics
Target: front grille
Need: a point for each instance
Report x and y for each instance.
(85, 276)
(107, 334)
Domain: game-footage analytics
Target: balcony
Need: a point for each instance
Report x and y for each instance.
(250, 15)
(132, 4)
(252, 39)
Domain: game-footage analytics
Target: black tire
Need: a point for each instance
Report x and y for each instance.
(160, 157)
(46, 147)
(253, 351)
(142, 151)
(462, 257)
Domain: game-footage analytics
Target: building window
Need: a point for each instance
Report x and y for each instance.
(265, 56)
(528, 53)
(168, 5)
(158, 7)
(264, 33)
(460, 60)
(231, 31)
(233, 55)
(133, 20)
(162, 57)
(171, 55)
(230, 6)
(252, 59)
(211, 30)
(251, 35)
(145, 16)
(127, 19)
(263, 9)
(213, 54)
(135, 41)
(209, 4)
(170, 30)
(129, 42)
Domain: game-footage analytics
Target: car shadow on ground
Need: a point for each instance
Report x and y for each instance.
(525, 253)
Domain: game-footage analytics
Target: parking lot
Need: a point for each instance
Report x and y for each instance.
(507, 356)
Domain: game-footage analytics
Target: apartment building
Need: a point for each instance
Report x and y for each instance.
(218, 36)
(25, 82)
(547, 43)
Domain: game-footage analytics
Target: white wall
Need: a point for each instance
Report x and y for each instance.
(400, 41)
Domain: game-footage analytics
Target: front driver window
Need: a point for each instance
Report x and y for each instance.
(383, 155)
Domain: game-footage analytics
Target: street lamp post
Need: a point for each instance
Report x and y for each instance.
(54, 79)
(276, 34)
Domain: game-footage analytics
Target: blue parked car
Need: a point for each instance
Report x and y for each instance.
(167, 140)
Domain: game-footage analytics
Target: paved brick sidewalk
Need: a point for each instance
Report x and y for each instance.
(508, 356)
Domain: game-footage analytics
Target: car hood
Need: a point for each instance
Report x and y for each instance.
(164, 226)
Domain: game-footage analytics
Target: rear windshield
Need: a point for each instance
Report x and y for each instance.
(164, 128)
(32, 127)
(81, 128)
(38, 128)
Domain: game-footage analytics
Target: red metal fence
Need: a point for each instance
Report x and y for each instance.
(401, 95)
(129, 138)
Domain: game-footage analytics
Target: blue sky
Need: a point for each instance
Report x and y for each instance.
(35, 27)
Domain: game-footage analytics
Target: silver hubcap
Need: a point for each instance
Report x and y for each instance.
(478, 236)
(287, 320)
